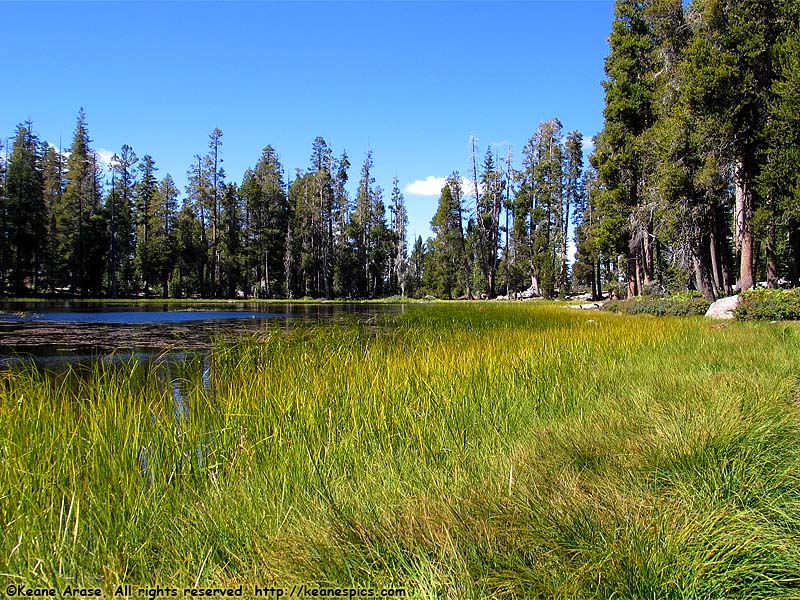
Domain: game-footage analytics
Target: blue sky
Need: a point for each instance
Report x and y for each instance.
(410, 80)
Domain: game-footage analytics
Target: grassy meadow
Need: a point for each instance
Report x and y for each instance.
(480, 450)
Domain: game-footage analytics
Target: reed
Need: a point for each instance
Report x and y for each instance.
(456, 450)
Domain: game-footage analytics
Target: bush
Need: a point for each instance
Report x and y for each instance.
(677, 305)
(759, 304)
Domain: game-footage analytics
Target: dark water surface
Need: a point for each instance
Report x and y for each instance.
(65, 332)
(139, 317)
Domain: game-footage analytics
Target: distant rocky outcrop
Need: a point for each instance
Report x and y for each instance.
(592, 306)
(529, 294)
(723, 308)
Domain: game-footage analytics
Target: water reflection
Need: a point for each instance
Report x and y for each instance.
(135, 317)
(87, 332)
(189, 448)
(206, 373)
(180, 409)
(144, 468)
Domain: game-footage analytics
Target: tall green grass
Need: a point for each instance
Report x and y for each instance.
(459, 451)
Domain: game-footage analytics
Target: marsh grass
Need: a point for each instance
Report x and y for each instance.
(459, 451)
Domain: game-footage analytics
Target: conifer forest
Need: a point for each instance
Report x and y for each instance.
(693, 183)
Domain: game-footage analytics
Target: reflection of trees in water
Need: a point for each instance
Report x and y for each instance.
(48, 338)
(181, 447)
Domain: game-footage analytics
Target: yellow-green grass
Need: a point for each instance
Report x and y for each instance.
(457, 451)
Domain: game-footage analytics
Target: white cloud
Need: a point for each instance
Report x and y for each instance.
(469, 187)
(430, 186)
(104, 156)
(572, 250)
(64, 152)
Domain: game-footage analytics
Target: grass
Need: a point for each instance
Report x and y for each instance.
(457, 451)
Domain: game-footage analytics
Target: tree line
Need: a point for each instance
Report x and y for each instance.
(692, 184)
(694, 178)
(71, 228)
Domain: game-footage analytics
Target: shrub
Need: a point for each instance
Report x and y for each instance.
(760, 304)
(677, 305)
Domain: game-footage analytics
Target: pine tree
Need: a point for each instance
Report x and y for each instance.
(53, 183)
(206, 182)
(266, 211)
(304, 238)
(628, 115)
(3, 216)
(24, 215)
(191, 251)
(520, 254)
(779, 182)
(161, 250)
(81, 235)
(450, 273)
(323, 214)
(231, 240)
(539, 206)
(195, 207)
(216, 180)
(360, 227)
(488, 210)
(572, 197)
(399, 226)
(686, 183)
(416, 268)
(731, 84)
(586, 269)
(119, 208)
(145, 219)
(508, 264)
(782, 177)
(380, 247)
(309, 257)
(344, 260)
(97, 237)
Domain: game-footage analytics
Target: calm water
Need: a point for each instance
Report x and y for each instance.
(132, 317)
(64, 332)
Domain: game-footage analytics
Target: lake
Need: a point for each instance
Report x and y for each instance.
(64, 332)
